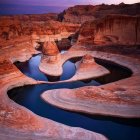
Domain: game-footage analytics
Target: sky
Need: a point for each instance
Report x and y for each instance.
(64, 2)
(14, 7)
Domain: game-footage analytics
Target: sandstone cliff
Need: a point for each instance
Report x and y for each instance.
(50, 49)
(113, 29)
(82, 13)
(14, 29)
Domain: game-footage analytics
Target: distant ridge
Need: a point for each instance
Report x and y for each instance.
(13, 9)
(82, 13)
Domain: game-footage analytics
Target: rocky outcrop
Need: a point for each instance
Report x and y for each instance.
(77, 14)
(12, 27)
(17, 122)
(87, 59)
(50, 48)
(87, 69)
(113, 29)
(51, 53)
(82, 13)
(36, 29)
(64, 44)
(119, 99)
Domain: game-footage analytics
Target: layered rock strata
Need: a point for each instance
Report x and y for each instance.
(82, 13)
(120, 98)
(17, 122)
(51, 56)
(113, 29)
(50, 49)
(87, 68)
(14, 30)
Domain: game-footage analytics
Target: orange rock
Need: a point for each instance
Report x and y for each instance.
(88, 59)
(83, 13)
(50, 48)
(113, 29)
(53, 59)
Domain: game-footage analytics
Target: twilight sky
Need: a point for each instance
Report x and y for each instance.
(14, 7)
(64, 2)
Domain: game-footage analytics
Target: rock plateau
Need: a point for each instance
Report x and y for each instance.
(82, 13)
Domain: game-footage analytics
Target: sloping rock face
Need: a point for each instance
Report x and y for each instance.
(77, 14)
(88, 59)
(64, 44)
(82, 13)
(33, 28)
(87, 68)
(86, 63)
(50, 48)
(113, 29)
(16, 26)
(51, 52)
(17, 41)
(17, 122)
(120, 98)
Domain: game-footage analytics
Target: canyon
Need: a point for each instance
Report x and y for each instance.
(104, 32)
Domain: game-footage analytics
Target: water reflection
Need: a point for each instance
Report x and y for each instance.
(30, 68)
(113, 128)
(29, 96)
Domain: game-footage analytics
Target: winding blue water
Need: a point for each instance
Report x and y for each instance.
(30, 68)
(29, 96)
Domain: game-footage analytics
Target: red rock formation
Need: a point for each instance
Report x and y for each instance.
(17, 122)
(51, 52)
(77, 14)
(113, 29)
(87, 68)
(120, 98)
(88, 59)
(82, 13)
(87, 63)
(50, 48)
(33, 28)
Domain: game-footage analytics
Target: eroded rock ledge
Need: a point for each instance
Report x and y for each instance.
(26, 28)
(87, 68)
(120, 98)
(52, 62)
(82, 13)
(113, 29)
(17, 122)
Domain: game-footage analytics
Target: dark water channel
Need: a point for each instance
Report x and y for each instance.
(29, 96)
